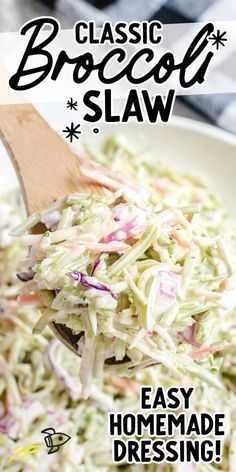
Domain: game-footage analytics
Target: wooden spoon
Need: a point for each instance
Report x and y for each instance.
(47, 169)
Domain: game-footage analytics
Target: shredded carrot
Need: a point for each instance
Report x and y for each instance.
(70, 245)
(228, 283)
(189, 218)
(7, 325)
(99, 247)
(225, 284)
(181, 241)
(160, 191)
(204, 352)
(28, 300)
(125, 384)
(163, 184)
(95, 176)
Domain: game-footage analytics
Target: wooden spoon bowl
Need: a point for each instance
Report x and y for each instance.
(47, 170)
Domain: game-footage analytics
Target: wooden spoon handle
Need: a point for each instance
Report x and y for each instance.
(46, 167)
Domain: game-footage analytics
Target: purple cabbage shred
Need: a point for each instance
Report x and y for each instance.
(90, 282)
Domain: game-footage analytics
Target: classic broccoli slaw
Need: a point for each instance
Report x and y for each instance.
(145, 273)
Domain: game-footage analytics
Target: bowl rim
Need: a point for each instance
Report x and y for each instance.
(207, 129)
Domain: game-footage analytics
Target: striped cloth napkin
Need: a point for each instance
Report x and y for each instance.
(219, 108)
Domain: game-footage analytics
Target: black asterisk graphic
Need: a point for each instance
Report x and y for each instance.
(72, 132)
(72, 105)
(218, 39)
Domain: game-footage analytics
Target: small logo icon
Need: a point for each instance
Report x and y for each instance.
(54, 440)
(20, 452)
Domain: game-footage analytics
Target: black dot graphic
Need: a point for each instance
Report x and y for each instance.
(96, 130)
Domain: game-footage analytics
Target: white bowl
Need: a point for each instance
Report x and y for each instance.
(182, 143)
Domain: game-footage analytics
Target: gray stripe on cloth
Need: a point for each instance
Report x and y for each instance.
(227, 119)
(211, 105)
(191, 9)
(81, 11)
(131, 10)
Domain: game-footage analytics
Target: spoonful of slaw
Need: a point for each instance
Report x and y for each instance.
(111, 267)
